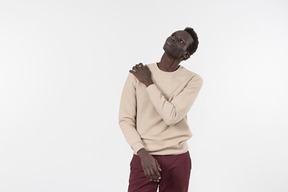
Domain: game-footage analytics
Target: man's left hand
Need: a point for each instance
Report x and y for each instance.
(142, 73)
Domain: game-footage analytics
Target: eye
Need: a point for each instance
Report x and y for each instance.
(181, 41)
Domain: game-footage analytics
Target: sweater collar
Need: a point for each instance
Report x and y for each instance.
(165, 72)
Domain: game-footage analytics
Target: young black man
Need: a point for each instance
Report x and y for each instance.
(153, 117)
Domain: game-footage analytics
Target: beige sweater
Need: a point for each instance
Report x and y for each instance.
(155, 117)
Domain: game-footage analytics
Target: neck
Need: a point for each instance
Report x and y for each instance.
(168, 64)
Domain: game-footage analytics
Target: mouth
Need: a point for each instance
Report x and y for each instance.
(170, 43)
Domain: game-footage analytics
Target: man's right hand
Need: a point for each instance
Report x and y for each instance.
(150, 165)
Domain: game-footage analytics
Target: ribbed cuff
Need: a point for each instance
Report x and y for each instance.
(137, 146)
(151, 88)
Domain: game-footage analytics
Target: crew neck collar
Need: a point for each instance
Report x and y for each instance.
(166, 72)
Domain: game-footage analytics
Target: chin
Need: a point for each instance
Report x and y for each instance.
(167, 48)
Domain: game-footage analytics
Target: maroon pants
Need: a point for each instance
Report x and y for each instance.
(175, 174)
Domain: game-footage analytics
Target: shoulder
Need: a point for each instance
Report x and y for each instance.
(150, 65)
(131, 79)
(190, 73)
(194, 77)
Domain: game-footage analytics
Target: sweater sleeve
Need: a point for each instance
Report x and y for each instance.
(127, 114)
(175, 110)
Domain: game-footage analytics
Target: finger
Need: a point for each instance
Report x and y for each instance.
(156, 170)
(156, 180)
(146, 172)
(138, 67)
(135, 69)
(158, 166)
(149, 174)
(146, 67)
(132, 71)
(154, 177)
(156, 174)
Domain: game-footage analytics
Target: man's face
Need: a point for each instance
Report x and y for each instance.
(176, 44)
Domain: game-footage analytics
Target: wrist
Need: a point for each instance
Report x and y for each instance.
(149, 83)
(142, 152)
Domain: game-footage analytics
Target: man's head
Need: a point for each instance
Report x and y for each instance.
(181, 44)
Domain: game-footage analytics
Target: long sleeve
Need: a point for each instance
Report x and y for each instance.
(127, 114)
(175, 110)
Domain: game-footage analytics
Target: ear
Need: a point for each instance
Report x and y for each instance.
(186, 55)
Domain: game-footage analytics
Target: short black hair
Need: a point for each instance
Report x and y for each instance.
(193, 46)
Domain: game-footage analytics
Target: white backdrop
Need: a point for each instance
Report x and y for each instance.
(63, 65)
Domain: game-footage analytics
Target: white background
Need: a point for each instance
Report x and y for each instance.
(63, 65)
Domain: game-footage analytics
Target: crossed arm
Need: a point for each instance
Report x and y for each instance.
(170, 111)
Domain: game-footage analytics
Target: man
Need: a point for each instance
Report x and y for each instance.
(153, 117)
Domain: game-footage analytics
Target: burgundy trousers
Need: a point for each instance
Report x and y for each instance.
(175, 174)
